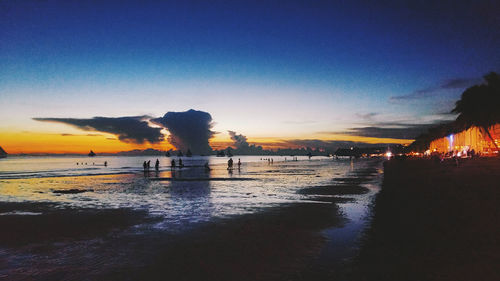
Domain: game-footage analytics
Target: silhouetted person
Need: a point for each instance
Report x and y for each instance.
(145, 166)
(239, 163)
(180, 163)
(149, 164)
(105, 163)
(230, 164)
(172, 164)
(157, 165)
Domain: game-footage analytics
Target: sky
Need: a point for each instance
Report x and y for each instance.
(280, 73)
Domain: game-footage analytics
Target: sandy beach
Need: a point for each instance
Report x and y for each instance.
(431, 221)
(88, 244)
(434, 221)
(56, 241)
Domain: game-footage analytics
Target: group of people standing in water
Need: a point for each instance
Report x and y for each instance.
(93, 163)
(230, 164)
(147, 165)
(173, 164)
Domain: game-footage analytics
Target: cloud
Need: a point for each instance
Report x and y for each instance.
(190, 129)
(366, 116)
(304, 122)
(457, 83)
(393, 130)
(327, 145)
(242, 146)
(86, 135)
(240, 141)
(407, 133)
(134, 129)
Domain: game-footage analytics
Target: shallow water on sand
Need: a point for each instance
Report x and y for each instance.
(118, 219)
(182, 197)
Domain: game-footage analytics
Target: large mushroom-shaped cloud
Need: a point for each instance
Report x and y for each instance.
(190, 129)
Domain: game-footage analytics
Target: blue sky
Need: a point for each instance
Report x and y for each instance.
(267, 69)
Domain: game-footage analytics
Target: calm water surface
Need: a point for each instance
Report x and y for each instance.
(257, 185)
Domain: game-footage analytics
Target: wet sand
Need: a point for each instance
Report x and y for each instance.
(90, 244)
(278, 243)
(434, 221)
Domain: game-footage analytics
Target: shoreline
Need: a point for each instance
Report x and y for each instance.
(286, 242)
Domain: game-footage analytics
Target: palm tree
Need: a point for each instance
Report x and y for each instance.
(479, 105)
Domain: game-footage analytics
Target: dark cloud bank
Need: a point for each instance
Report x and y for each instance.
(133, 129)
(188, 130)
(192, 130)
(403, 131)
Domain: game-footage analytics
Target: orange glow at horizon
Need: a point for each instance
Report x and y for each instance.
(38, 142)
(275, 142)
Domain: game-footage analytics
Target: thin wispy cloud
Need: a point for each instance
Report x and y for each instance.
(392, 130)
(331, 145)
(367, 116)
(292, 122)
(457, 83)
(76, 135)
(406, 132)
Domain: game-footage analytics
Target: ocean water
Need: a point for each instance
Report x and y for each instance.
(195, 195)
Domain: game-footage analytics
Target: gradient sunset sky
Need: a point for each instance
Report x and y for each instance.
(279, 72)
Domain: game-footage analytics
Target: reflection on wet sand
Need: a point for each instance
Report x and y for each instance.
(261, 222)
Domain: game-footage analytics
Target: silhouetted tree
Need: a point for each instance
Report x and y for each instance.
(479, 105)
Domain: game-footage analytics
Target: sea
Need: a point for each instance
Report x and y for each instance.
(183, 196)
(182, 199)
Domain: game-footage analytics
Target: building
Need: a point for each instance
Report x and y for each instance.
(472, 138)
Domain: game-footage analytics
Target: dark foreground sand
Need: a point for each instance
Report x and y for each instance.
(434, 221)
(88, 244)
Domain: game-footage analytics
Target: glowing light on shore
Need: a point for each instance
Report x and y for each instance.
(450, 139)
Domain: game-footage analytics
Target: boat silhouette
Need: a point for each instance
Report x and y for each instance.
(3, 154)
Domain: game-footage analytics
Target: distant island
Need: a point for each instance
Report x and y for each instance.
(354, 151)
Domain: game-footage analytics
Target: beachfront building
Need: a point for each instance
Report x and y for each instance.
(472, 138)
